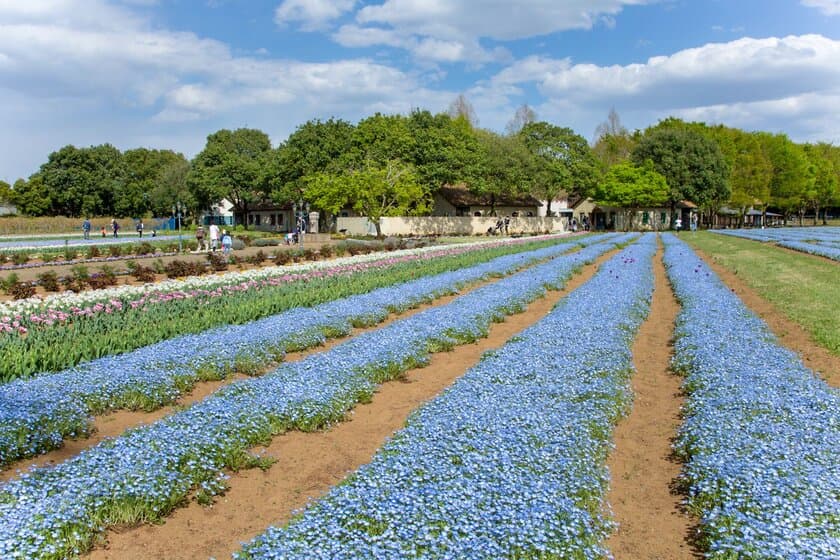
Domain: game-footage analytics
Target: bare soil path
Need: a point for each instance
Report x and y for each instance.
(652, 523)
(310, 463)
(790, 334)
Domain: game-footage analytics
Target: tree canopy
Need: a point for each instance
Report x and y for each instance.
(632, 188)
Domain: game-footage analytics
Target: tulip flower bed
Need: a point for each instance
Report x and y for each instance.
(822, 241)
(60, 332)
(37, 414)
(510, 461)
(144, 474)
(762, 432)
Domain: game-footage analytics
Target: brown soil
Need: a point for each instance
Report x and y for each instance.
(114, 423)
(310, 463)
(790, 334)
(652, 523)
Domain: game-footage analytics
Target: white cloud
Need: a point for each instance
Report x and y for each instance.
(446, 31)
(90, 72)
(828, 7)
(748, 82)
(312, 14)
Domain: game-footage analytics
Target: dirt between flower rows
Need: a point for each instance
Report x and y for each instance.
(309, 464)
(652, 523)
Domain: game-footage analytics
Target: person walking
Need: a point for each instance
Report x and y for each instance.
(140, 228)
(86, 228)
(227, 242)
(115, 227)
(214, 237)
(693, 221)
(199, 237)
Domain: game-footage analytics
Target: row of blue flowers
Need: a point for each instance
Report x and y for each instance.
(761, 435)
(144, 474)
(37, 414)
(822, 241)
(509, 461)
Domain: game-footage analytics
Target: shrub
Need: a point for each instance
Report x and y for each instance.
(104, 278)
(267, 242)
(21, 290)
(72, 283)
(282, 256)
(115, 250)
(257, 258)
(310, 255)
(70, 254)
(142, 273)
(93, 252)
(158, 266)
(3, 257)
(177, 269)
(49, 281)
(144, 248)
(326, 250)
(49, 257)
(217, 261)
(81, 273)
(21, 257)
(340, 249)
(245, 238)
(237, 244)
(8, 281)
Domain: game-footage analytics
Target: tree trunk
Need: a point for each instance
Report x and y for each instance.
(548, 209)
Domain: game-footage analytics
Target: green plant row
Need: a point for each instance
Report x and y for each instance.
(128, 328)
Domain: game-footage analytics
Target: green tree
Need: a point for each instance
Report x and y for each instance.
(613, 142)
(374, 191)
(564, 161)
(793, 175)
(31, 197)
(632, 188)
(171, 187)
(444, 151)
(508, 168)
(136, 195)
(315, 147)
(826, 190)
(83, 181)
(692, 164)
(6, 192)
(231, 166)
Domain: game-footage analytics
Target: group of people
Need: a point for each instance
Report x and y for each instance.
(502, 225)
(114, 227)
(210, 239)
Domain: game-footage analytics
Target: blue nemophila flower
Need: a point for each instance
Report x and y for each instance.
(37, 414)
(762, 431)
(823, 241)
(509, 461)
(145, 473)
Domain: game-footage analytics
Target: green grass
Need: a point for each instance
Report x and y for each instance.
(804, 288)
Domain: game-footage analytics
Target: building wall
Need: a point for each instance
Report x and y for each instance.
(442, 225)
(7, 209)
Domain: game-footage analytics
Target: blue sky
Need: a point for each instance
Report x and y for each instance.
(166, 73)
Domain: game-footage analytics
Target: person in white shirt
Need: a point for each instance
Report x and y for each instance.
(214, 237)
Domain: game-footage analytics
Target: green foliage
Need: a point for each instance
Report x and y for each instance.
(375, 191)
(792, 178)
(231, 166)
(566, 163)
(632, 188)
(691, 163)
(825, 162)
(507, 167)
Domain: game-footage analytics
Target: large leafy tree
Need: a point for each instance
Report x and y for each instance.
(171, 187)
(564, 161)
(375, 190)
(140, 191)
(613, 142)
(824, 159)
(83, 181)
(6, 192)
(692, 164)
(232, 166)
(793, 176)
(632, 188)
(31, 197)
(507, 168)
(315, 147)
(444, 150)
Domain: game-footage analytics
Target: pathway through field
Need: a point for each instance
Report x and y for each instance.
(310, 463)
(652, 524)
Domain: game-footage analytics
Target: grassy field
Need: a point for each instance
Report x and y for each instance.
(804, 288)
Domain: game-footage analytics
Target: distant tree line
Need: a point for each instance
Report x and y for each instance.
(392, 165)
